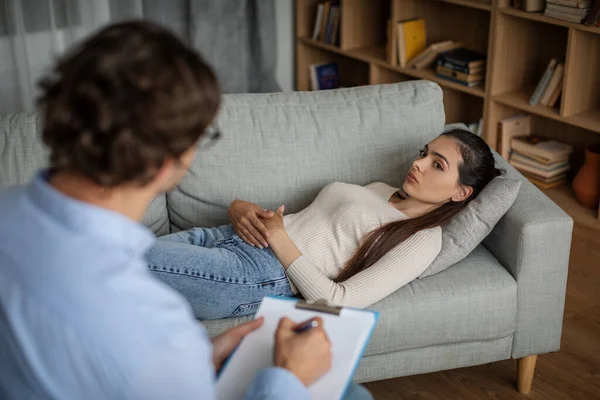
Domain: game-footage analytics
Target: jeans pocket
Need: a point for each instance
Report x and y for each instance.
(245, 309)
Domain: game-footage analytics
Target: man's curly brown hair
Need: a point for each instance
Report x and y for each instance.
(124, 101)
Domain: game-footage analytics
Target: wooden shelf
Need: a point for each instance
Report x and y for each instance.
(472, 4)
(519, 45)
(519, 99)
(564, 197)
(587, 120)
(540, 17)
(376, 55)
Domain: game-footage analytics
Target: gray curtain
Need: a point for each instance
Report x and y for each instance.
(236, 37)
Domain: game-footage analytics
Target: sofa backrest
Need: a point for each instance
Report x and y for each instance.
(278, 148)
(22, 154)
(282, 148)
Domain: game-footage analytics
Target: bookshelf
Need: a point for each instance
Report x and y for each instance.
(519, 46)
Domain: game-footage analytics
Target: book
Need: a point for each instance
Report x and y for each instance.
(539, 172)
(542, 149)
(593, 17)
(460, 75)
(318, 21)
(392, 47)
(556, 80)
(326, 9)
(544, 184)
(336, 26)
(411, 39)
(571, 4)
(570, 11)
(428, 56)
(522, 158)
(508, 128)
(565, 13)
(332, 24)
(466, 70)
(324, 76)
(463, 58)
(468, 84)
(348, 329)
(543, 82)
(556, 94)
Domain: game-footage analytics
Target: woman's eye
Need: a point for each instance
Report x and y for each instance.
(422, 153)
(437, 165)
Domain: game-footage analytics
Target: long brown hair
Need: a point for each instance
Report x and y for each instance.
(477, 170)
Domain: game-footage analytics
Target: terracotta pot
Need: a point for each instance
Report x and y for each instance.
(586, 184)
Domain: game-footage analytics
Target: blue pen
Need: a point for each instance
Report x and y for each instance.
(306, 326)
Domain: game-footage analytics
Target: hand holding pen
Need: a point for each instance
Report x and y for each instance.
(303, 349)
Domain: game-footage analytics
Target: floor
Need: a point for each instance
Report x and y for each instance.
(571, 373)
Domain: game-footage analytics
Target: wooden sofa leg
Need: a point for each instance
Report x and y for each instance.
(525, 370)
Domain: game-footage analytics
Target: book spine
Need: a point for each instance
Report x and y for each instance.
(541, 87)
(458, 68)
(467, 84)
(318, 20)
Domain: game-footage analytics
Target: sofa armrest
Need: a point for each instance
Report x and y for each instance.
(533, 242)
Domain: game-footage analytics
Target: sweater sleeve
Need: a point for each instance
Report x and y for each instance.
(398, 267)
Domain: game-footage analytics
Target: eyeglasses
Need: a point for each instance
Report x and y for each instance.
(209, 140)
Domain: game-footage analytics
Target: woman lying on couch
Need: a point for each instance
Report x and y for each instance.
(353, 246)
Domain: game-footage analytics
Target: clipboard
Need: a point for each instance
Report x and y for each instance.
(348, 329)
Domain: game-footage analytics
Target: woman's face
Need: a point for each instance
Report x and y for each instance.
(433, 177)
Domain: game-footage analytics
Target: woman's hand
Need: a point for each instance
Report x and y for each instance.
(275, 223)
(244, 217)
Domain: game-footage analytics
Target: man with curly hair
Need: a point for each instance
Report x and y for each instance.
(81, 316)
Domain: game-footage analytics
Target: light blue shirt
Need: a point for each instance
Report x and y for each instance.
(81, 317)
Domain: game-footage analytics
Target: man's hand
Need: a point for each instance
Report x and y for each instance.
(244, 217)
(306, 355)
(227, 341)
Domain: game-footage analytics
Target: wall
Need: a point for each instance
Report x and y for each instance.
(285, 44)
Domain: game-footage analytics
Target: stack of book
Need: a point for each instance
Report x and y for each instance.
(568, 10)
(549, 87)
(543, 161)
(462, 66)
(327, 22)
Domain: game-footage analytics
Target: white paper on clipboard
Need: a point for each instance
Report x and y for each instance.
(349, 333)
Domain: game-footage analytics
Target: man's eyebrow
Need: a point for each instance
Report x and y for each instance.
(438, 154)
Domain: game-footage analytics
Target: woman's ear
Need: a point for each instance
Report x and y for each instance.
(463, 193)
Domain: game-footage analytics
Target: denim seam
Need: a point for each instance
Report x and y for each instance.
(227, 280)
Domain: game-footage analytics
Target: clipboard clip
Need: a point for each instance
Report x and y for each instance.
(318, 305)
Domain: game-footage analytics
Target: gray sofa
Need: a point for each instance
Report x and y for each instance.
(505, 300)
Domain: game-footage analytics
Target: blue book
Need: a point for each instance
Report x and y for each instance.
(325, 76)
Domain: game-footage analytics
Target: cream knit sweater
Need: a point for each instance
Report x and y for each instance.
(329, 231)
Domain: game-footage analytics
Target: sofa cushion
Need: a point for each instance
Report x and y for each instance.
(476, 300)
(22, 153)
(284, 147)
(472, 224)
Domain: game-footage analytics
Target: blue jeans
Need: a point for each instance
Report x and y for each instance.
(218, 273)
